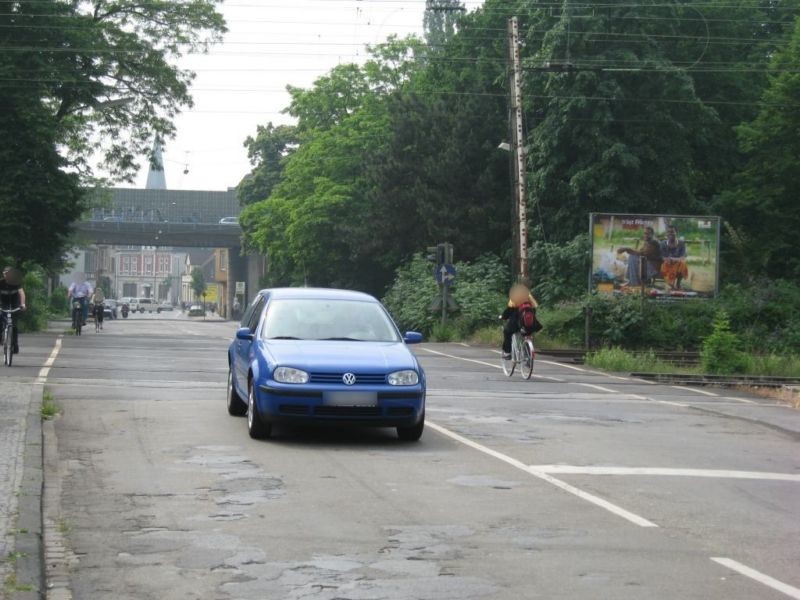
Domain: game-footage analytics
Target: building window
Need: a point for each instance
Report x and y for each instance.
(148, 264)
(125, 265)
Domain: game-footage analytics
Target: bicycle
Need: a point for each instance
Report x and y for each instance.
(7, 334)
(77, 317)
(523, 354)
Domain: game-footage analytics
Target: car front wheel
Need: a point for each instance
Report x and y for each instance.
(258, 429)
(413, 433)
(236, 406)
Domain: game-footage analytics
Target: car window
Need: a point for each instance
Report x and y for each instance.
(249, 311)
(258, 307)
(321, 319)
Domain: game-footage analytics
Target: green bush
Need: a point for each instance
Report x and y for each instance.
(59, 302)
(38, 309)
(479, 292)
(721, 352)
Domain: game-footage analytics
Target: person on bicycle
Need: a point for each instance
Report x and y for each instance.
(98, 305)
(12, 296)
(80, 290)
(521, 303)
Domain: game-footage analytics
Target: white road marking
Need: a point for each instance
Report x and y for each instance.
(617, 377)
(637, 397)
(638, 380)
(488, 364)
(745, 400)
(766, 580)
(666, 472)
(558, 364)
(705, 393)
(612, 508)
(598, 387)
(45, 370)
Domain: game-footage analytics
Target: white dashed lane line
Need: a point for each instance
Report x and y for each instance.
(694, 390)
(761, 578)
(486, 364)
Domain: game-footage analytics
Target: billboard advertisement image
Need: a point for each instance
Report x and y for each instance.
(659, 256)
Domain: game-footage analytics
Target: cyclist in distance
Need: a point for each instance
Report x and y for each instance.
(80, 290)
(98, 301)
(519, 298)
(12, 296)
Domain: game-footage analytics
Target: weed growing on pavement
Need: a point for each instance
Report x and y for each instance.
(11, 585)
(49, 407)
(63, 527)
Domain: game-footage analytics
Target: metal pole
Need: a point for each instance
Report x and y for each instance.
(444, 304)
(518, 147)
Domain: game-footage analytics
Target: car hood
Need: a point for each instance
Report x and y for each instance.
(335, 356)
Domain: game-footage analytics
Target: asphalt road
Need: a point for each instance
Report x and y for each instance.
(573, 485)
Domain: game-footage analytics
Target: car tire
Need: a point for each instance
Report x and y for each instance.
(256, 427)
(413, 433)
(236, 406)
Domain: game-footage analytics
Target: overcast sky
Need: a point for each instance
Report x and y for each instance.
(241, 82)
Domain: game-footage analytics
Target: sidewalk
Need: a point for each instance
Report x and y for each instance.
(20, 490)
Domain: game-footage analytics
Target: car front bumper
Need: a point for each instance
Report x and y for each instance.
(392, 407)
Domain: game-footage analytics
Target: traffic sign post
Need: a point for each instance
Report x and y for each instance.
(445, 274)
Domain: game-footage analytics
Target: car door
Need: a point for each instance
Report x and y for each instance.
(243, 349)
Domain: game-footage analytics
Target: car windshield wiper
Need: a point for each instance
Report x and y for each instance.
(341, 339)
(283, 337)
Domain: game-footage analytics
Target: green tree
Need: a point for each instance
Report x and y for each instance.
(198, 283)
(762, 203)
(439, 22)
(267, 152)
(82, 79)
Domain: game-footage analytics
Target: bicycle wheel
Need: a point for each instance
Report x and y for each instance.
(510, 363)
(528, 354)
(8, 346)
(96, 323)
(77, 321)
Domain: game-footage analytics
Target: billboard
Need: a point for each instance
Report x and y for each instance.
(658, 256)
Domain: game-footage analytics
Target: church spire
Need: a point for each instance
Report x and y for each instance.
(155, 176)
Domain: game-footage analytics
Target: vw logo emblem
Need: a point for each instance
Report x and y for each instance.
(349, 378)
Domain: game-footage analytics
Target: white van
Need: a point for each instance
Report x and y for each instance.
(145, 304)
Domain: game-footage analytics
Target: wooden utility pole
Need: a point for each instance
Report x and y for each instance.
(518, 149)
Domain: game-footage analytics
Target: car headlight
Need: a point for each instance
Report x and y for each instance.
(290, 375)
(403, 378)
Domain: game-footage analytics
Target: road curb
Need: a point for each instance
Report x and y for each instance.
(58, 559)
(29, 567)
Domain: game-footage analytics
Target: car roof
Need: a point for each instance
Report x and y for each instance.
(318, 293)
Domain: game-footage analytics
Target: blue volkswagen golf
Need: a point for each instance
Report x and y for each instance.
(325, 356)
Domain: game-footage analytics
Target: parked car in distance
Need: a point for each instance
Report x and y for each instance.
(229, 221)
(196, 310)
(166, 306)
(133, 304)
(325, 356)
(110, 308)
(145, 304)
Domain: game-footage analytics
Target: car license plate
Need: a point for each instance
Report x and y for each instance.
(351, 398)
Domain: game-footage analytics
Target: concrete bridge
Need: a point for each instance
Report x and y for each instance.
(173, 218)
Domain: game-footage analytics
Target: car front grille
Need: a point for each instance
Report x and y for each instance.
(348, 411)
(361, 379)
(399, 411)
(293, 409)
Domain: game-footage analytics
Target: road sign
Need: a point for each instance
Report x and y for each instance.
(239, 288)
(445, 274)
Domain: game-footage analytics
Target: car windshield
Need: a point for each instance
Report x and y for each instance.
(325, 319)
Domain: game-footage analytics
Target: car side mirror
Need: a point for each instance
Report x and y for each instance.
(244, 333)
(412, 337)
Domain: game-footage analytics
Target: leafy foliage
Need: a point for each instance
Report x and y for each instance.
(479, 293)
(721, 352)
(198, 283)
(763, 200)
(559, 270)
